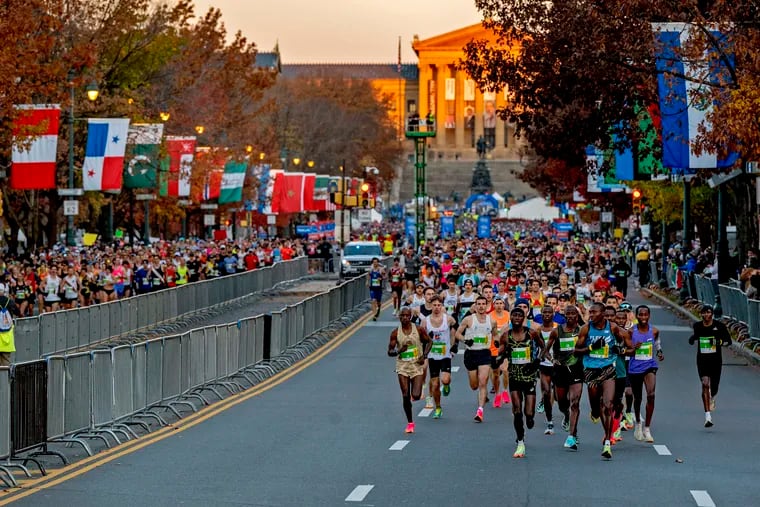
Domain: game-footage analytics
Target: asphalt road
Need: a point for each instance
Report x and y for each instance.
(323, 437)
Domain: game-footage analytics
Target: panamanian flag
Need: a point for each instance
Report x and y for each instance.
(683, 107)
(104, 155)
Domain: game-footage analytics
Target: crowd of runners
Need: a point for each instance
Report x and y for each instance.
(536, 319)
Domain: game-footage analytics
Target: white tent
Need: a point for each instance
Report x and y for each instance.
(533, 209)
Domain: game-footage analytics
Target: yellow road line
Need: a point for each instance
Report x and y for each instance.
(55, 477)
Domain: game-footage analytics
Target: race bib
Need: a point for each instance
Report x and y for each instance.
(567, 344)
(410, 354)
(395, 279)
(644, 352)
(480, 339)
(707, 345)
(376, 282)
(521, 355)
(602, 353)
(450, 310)
(20, 294)
(438, 348)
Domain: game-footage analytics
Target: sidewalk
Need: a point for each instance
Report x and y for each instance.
(736, 346)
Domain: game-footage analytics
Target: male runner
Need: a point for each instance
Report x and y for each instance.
(438, 326)
(375, 277)
(596, 342)
(477, 331)
(397, 284)
(410, 345)
(546, 368)
(711, 335)
(502, 323)
(643, 369)
(568, 373)
(524, 347)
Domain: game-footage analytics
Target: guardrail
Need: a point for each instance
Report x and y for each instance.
(70, 330)
(106, 395)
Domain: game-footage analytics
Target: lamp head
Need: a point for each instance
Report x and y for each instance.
(92, 91)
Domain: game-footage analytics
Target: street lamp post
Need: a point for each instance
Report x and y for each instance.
(92, 95)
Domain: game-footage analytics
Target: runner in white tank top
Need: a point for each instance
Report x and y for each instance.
(438, 325)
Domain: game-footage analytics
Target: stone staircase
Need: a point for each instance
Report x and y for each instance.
(446, 175)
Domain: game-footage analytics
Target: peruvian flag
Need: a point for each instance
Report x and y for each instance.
(35, 142)
(176, 180)
(104, 155)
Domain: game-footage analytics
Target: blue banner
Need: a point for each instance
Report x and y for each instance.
(484, 226)
(411, 227)
(447, 227)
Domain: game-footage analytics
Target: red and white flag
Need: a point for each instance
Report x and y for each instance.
(35, 142)
(181, 151)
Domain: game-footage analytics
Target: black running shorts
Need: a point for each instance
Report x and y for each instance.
(475, 358)
(437, 366)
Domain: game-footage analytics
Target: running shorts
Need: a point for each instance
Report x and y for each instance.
(594, 377)
(475, 358)
(522, 386)
(565, 376)
(546, 370)
(439, 365)
(376, 293)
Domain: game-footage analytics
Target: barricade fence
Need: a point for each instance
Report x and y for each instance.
(106, 394)
(69, 330)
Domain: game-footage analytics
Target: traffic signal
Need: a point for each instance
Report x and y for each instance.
(636, 199)
(365, 195)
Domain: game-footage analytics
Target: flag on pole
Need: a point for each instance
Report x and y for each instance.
(35, 143)
(232, 182)
(307, 195)
(104, 154)
(176, 169)
(321, 194)
(142, 160)
(212, 187)
(271, 195)
(288, 196)
(684, 103)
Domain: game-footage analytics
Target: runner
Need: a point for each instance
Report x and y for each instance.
(375, 277)
(596, 343)
(406, 345)
(451, 297)
(643, 369)
(479, 331)
(568, 373)
(466, 300)
(397, 284)
(628, 420)
(711, 335)
(502, 319)
(523, 346)
(438, 326)
(546, 368)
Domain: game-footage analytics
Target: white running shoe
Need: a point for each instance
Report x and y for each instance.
(648, 436)
(708, 421)
(549, 429)
(638, 434)
(429, 403)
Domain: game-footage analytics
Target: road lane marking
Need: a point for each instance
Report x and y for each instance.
(359, 492)
(399, 445)
(60, 475)
(454, 369)
(460, 352)
(425, 412)
(662, 450)
(383, 324)
(702, 498)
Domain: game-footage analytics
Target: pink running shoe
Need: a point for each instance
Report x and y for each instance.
(479, 416)
(505, 397)
(409, 428)
(497, 401)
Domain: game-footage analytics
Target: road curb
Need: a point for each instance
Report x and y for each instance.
(738, 348)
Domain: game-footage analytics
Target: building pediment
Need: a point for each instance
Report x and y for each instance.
(454, 40)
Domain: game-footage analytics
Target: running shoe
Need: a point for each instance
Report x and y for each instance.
(638, 434)
(504, 397)
(437, 413)
(520, 451)
(479, 415)
(395, 312)
(571, 443)
(617, 435)
(708, 421)
(497, 401)
(648, 436)
(629, 422)
(594, 420)
(446, 389)
(429, 403)
(712, 404)
(607, 451)
(565, 423)
(549, 428)
(540, 407)
(409, 428)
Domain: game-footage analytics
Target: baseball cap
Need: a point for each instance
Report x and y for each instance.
(625, 305)
(522, 301)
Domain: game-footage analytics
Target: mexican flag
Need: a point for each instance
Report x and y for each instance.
(232, 182)
(142, 158)
(176, 169)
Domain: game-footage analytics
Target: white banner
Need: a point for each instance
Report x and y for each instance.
(469, 89)
(451, 88)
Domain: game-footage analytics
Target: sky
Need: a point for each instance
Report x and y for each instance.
(342, 31)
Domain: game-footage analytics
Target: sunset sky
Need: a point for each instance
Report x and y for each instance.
(342, 30)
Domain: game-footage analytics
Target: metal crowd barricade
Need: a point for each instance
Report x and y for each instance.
(5, 424)
(753, 318)
(734, 303)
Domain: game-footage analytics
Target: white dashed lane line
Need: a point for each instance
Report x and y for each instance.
(425, 412)
(399, 445)
(662, 450)
(702, 498)
(454, 369)
(359, 493)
